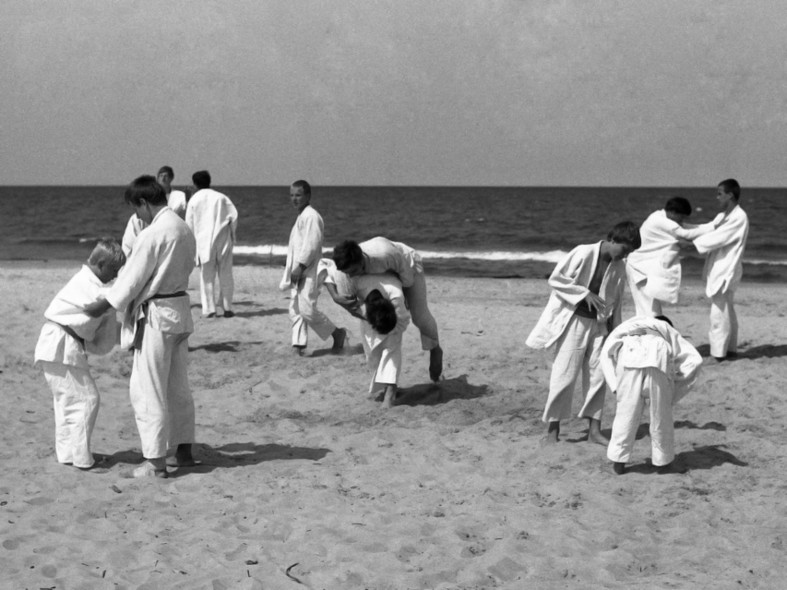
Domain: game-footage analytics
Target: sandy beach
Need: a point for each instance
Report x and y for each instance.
(305, 482)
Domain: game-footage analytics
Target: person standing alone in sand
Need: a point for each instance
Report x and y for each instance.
(587, 294)
(304, 251)
(151, 291)
(213, 219)
(724, 247)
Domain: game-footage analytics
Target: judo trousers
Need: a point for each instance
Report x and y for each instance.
(634, 387)
(420, 315)
(645, 305)
(76, 404)
(723, 333)
(304, 313)
(221, 264)
(578, 350)
(159, 392)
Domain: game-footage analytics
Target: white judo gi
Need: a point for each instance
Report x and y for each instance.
(724, 247)
(645, 358)
(133, 227)
(577, 340)
(305, 247)
(383, 351)
(176, 200)
(63, 359)
(382, 255)
(213, 220)
(157, 324)
(654, 269)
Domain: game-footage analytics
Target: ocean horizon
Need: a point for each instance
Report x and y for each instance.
(460, 231)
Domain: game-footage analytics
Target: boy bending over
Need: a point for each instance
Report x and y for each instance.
(62, 347)
(587, 292)
(646, 358)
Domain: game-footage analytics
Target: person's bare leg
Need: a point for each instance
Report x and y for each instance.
(435, 363)
(339, 336)
(553, 433)
(594, 432)
(390, 396)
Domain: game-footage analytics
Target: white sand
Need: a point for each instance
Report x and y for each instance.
(450, 490)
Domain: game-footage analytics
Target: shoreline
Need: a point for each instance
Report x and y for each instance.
(302, 475)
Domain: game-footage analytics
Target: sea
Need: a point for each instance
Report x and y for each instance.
(512, 232)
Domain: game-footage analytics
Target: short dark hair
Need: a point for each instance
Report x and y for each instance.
(167, 170)
(380, 313)
(346, 254)
(732, 187)
(678, 205)
(664, 318)
(145, 187)
(302, 184)
(625, 232)
(201, 179)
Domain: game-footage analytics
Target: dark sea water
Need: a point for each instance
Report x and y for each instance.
(460, 231)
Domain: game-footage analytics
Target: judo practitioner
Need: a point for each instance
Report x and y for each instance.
(379, 255)
(133, 227)
(587, 292)
(724, 247)
(176, 200)
(654, 269)
(151, 292)
(645, 358)
(66, 338)
(304, 251)
(385, 320)
(213, 219)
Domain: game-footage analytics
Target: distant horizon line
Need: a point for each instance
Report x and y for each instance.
(584, 186)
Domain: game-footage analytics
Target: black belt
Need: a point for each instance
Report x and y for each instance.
(71, 333)
(168, 295)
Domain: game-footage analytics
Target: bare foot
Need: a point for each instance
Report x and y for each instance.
(552, 436)
(182, 457)
(435, 363)
(339, 336)
(619, 468)
(390, 396)
(148, 469)
(594, 433)
(298, 350)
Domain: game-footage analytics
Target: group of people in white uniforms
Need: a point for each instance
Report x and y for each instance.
(644, 357)
(581, 322)
(213, 219)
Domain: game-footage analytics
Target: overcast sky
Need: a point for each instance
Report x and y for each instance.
(404, 92)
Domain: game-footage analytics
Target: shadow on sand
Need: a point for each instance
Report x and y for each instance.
(705, 457)
(431, 394)
(223, 457)
(229, 346)
(757, 352)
